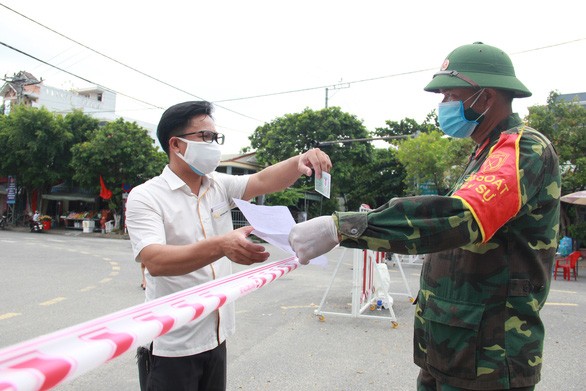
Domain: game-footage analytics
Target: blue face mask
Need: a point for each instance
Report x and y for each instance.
(453, 119)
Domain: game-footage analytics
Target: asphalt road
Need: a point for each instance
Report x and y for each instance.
(57, 279)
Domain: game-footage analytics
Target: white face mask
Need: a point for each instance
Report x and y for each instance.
(203, 158)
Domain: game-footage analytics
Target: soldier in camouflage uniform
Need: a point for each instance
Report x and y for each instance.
(490, 242)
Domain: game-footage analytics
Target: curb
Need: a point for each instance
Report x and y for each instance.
(69, 232)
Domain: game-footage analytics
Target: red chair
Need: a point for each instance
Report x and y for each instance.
(567, 264)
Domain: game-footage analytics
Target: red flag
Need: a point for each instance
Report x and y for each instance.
(104, 192)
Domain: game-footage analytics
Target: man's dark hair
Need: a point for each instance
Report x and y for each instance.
(176, 119)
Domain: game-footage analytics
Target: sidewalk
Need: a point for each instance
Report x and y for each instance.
(69, 232)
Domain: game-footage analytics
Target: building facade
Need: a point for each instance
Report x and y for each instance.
(25, 88)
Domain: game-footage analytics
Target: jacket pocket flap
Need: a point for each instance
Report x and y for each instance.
(453, 313)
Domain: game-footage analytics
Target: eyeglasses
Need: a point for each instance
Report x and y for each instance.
(207, 136)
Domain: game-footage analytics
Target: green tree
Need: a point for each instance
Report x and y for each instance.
(564, 123)
(404, 127)
(122, 153)
(407, 127)
(81, 127)
(292, 134)
(383, 179)
(456, 157)
(440, 163)
(34, 146)
(433, 158)
(423, 160)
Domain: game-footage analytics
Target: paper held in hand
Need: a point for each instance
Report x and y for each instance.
(323, 184)
(273, 224)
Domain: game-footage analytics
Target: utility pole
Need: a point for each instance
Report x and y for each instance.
(335, 87)
(19, 82)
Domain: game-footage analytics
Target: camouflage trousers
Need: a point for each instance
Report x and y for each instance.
(426, 382)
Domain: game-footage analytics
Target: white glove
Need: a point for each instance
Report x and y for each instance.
(313, 238)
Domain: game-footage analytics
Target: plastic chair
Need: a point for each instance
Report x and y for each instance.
(567, 264)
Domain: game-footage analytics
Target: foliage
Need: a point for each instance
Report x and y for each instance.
(383, 180)
(456, 158)
(427, 157)
(423, 159)
(577, 231)
(292, 134)
(81, 127)
(564, 123)
(47, 148)
(407, 127)
(37, 144)
(122, 153)
(289, 196)
(434, 159)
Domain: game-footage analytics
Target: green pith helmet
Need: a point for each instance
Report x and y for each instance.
(478, 65)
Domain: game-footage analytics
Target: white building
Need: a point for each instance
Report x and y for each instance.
(26, 88)
(96, 102)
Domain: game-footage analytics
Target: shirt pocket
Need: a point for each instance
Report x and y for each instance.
(220, 211)
(452, 336)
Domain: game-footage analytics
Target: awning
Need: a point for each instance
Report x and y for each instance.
(577, 198)
(69, 197)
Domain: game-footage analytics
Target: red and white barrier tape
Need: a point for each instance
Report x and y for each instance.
(44, 362)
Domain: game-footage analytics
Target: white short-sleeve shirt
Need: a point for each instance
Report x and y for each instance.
(163, 210)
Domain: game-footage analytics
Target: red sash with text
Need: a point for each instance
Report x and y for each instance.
(493, 194)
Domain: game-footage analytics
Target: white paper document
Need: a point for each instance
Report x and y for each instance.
(272, 224)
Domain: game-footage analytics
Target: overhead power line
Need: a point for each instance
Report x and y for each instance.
(328, 85)
(124, 65)
(550, 46)
(385, 76)
(79, 77)
(259, 95)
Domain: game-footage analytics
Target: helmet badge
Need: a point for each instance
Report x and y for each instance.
(445, 64)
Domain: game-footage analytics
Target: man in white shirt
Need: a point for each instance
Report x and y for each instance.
(34, 223)
(180, 228)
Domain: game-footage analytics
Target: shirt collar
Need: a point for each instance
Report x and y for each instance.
(175, 182)
(172, 179)
(510, 122)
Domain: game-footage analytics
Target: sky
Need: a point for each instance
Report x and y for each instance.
(259, 60)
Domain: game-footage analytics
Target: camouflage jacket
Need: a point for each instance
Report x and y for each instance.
(490, 244)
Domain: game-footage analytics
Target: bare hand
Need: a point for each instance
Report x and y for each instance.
(239, 249)
(314, 159)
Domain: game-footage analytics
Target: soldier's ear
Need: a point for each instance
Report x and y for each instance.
(489, 95)
(489, 98)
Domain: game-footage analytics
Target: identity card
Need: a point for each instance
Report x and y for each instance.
(323, 184)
